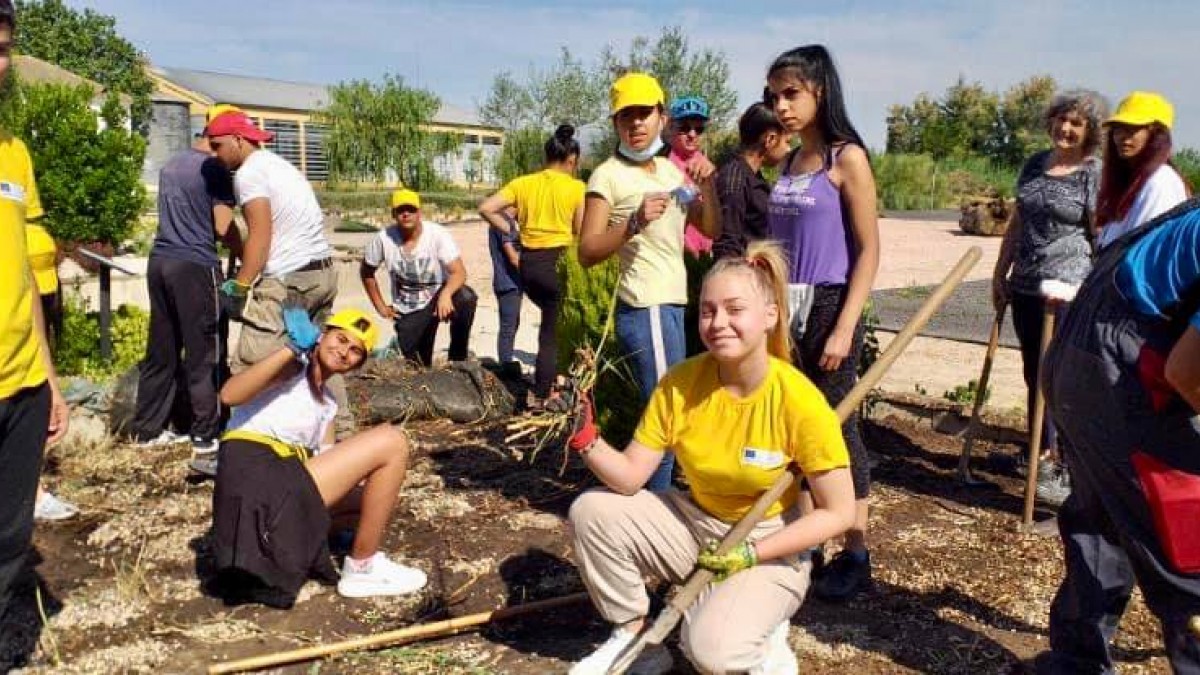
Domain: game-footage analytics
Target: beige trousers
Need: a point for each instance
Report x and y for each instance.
(619, 539)
(263, 332)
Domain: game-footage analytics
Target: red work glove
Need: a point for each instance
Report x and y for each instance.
(584, 432)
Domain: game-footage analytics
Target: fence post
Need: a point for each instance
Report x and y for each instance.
(106, 267)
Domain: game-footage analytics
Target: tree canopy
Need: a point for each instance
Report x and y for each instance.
(381, 132)
(86, 43)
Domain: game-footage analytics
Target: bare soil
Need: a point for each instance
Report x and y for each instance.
(957, 588)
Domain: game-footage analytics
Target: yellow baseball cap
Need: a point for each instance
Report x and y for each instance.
(403, 197)
(1141, 108)
(635, 89)
(357, 323)
(219, 109)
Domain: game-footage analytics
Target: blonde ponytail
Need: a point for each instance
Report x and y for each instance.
(764, 261)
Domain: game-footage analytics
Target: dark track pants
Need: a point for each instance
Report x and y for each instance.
(183, 352)
(24, 417)
(416, 331)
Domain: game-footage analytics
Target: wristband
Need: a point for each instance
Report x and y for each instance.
(635, 224)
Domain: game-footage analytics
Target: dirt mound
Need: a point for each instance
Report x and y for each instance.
(986, 214)
(392, 390)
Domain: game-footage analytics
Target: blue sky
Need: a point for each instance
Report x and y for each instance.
(888, 51)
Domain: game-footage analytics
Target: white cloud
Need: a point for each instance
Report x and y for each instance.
(886, 54)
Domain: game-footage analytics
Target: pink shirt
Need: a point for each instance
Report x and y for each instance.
(694, 240)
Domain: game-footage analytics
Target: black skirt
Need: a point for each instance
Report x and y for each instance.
(269, 521)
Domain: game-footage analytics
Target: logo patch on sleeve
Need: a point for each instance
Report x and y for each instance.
(13, 191)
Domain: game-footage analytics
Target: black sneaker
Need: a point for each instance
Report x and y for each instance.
(843, 577)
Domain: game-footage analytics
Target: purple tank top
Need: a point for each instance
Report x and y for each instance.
(805, 216)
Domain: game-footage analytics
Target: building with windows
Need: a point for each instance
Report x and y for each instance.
(287, 110)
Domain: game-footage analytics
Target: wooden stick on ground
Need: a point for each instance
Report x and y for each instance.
(699, 579)
(1039, 421)
(985, 376)
(395, 637)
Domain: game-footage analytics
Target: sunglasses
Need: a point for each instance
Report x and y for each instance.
(405, 209)
(687, 128)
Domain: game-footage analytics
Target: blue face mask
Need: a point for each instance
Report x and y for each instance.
(641, 155)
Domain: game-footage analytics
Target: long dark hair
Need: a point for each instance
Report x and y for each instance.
(562, 145)
(814, 64)
(1122, 179)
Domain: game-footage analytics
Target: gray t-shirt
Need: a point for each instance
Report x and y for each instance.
(189, 185)
(1056, 213)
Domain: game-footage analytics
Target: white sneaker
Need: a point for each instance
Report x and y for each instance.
(382, 577)
(167, 437)
(654, 659)
(50, 508)
(780, 659)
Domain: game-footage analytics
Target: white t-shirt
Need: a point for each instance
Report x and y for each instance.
(1162, 191)
(416, 275)
(287, 411)
(297, 236)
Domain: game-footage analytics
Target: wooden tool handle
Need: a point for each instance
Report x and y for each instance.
(395, 637)
(700, 578)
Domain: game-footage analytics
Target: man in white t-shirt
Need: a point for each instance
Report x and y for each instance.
(286, 257)
(429, 281)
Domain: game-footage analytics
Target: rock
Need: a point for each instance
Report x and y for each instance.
(85, 429)
(122, 404)
(986, 215)
(391, 390)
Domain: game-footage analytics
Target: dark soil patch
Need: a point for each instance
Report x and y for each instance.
(958, 590)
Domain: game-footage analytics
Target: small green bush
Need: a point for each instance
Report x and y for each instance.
(368, 200)
(1187, 161)
(697, 268)
(917, 182)
(78, 350)
(966, 394)
(582, 319)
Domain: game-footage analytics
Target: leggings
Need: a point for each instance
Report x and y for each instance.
(539, 276)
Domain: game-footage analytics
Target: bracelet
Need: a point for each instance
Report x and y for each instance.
(634, 225)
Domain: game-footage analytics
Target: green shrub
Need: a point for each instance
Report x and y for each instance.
(377, 199)
(918, 182)
(1187, 161)
(966, 394)
(582, 319)
(89, 181)
(697, 268)
(78, 350)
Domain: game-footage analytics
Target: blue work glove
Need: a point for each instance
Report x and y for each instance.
(302, 333)
(233, 298)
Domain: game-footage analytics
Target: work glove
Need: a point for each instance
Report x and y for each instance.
(233, 297)
(722, 566)
(302, 333)
(583, 430)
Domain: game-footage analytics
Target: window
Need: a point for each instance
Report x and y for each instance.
(491, 140)
(286, 143)
(317, 165)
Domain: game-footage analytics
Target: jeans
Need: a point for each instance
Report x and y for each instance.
(654, 339)
(510, 320)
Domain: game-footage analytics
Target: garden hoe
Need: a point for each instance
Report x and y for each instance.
(985, 376)
(684, 596)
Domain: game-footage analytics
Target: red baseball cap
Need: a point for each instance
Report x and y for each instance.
(237, 123)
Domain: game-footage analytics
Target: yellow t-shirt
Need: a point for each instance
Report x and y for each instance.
(546, 202)
(652, 271)
(732, 449)
(43, 258)
(20, 349)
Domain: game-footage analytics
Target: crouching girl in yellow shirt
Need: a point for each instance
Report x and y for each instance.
(736, 417)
